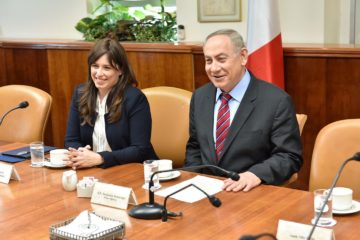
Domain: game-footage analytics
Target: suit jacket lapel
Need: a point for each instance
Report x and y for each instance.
(242, 114)
(208, 115)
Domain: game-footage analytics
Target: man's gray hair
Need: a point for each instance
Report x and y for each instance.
(235, 37)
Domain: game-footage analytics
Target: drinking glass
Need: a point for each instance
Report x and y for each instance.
(151, 166)
(37, 154)
(326, 218)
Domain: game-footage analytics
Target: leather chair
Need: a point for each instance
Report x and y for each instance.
(301, 119)
(170, 122)
(335, 143)
(28, 124)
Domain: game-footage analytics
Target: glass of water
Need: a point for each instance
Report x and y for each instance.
(151, 166)
(37, 154)
(326, 218)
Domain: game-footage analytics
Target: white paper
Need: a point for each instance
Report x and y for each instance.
(293, 231)
(191, 194)
(113, 195)
(15, 175)
(8, 171)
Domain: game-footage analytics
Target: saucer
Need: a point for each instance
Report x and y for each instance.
(354, 208)
(51, 165)
(330, 224)
(146, 186)
(173, 175)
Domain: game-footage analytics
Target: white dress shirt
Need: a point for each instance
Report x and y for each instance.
(100, 142)
(237, 94)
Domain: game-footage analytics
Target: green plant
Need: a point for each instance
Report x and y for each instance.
(152, 29)
(157, 28)
(106, 24)
(112, 19)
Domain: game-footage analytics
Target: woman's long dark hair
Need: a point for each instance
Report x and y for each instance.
(117, 58)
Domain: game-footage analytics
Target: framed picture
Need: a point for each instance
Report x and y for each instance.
(219, 10)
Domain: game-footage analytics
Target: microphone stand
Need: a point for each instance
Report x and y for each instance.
(213, 200)
(355, 157)
(23, 104)
(153, 210)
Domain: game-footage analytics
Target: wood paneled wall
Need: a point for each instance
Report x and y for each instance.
(322, 80)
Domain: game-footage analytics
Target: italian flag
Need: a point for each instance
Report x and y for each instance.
(264, 41)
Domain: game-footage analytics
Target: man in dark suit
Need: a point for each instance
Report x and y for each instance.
(239, 122)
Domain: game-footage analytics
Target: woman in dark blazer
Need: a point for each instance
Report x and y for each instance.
(109, 121)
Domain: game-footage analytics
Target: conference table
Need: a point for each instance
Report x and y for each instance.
(29, 206)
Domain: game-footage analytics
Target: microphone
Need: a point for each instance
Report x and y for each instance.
(356, 157)
(23, 104)
(213, 200)
(153, 210)
(251, 237)
(230, 174)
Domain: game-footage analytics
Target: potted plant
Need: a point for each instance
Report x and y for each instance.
(112, 19)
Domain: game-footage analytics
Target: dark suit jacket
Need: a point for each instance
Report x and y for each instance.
(129, 138)
(264, 135)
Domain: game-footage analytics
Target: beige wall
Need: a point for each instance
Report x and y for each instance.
(337, 17)
(195, 31)
(41, 18)
(302, 21)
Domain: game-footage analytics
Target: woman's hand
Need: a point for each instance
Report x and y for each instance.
(83, 157)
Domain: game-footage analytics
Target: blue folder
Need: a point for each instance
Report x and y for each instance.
(10, 159)
(24, 152)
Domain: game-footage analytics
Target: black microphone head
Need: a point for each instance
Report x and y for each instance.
(23, 104)
(233, 175)
(254, 237)
(248, 237)
(215, 201)
(356, 156)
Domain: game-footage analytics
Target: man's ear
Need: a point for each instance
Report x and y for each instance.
(244, 56)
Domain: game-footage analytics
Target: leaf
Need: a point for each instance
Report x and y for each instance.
(83, 24)
(121, 8)
(139, 15)
(149, 7)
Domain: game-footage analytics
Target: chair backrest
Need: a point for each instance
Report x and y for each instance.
(170, 122)
(301, 118)
(335, 143)
(28, 124)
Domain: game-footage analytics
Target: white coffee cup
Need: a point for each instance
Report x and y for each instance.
(342, 198)
(165, 164)
(59, 156)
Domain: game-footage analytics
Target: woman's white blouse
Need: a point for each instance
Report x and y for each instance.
(100, 142)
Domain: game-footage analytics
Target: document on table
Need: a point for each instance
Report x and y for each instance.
(191, 194)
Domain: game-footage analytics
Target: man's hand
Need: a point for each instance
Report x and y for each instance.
(247, 181)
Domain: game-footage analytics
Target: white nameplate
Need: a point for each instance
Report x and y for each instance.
(113, 195)
(7, 172)
(297, 231)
